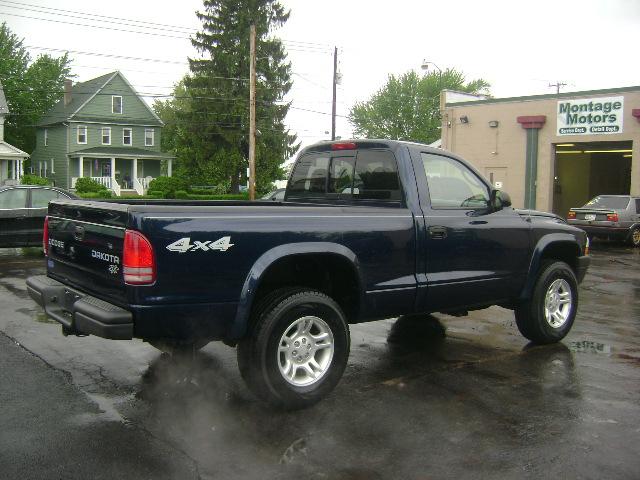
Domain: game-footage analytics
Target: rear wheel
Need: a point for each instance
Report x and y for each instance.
(296, 350)
(635, 237)
(548, 316)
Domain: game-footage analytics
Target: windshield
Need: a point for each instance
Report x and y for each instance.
(616, 203)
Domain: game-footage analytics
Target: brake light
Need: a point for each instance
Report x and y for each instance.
(138, 259)
(571, 215)
(45, 236)
(343, 146)
(612, 217)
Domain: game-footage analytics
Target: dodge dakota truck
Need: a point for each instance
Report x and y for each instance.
(368, 229)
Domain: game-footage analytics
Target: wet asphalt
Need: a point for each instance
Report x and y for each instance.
(422, 398)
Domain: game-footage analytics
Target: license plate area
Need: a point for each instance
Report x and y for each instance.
(590, 217)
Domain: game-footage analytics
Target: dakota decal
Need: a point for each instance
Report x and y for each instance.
(106, 257)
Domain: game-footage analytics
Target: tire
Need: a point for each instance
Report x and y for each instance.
(548, 315)
(296, 349)
(177, 347)
(634, 237)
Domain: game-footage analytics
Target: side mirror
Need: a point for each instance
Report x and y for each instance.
(500, 200)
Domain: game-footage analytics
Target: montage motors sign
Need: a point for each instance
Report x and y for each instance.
(590, 116)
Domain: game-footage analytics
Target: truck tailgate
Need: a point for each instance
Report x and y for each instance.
(85, 241)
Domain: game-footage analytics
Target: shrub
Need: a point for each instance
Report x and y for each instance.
(96, 195)
(167, 185)
(208, 190)
(29, 179)
(181, 194)
(89, 185)
(154, 194)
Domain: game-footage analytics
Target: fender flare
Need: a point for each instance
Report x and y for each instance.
(536, 259)
(254, 278)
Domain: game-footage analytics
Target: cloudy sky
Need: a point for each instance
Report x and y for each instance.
(519, 47)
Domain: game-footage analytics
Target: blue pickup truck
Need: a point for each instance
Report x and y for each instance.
(369, 229)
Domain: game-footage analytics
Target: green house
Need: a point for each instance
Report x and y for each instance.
(101, 129)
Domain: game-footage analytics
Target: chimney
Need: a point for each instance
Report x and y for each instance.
(67, 91)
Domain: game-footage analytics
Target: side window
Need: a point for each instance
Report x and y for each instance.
(376, 176)
(40, 197)
(452, 184)
(16, 198)
(637, 205)
(310, 176)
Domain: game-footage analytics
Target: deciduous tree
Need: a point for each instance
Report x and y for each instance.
(407, 106)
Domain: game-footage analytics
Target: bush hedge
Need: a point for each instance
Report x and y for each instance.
(29, 179)
(167, 185)
(89, 185)
(95, 195)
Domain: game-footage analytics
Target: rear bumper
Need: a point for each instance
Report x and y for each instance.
(583, 265)
(79, 312)
(603, 231)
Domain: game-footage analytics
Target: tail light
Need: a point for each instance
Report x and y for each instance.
(138, 259)
(612, 217)
(343, 146)
(571, 215)
(45, 236)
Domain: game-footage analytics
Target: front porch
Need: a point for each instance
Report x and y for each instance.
(128, 175)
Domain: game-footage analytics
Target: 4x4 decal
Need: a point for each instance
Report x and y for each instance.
(184, 245)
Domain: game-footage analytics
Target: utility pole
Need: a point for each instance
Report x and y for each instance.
(252, 112)
(335, 82)
(558, 85)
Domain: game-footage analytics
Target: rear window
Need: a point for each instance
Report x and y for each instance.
(368, 175)
(603, 201)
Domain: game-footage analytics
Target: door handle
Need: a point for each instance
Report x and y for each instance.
(438, 232)
(478, 222)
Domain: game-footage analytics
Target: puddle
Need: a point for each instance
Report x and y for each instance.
(586, 346)
(107, 410)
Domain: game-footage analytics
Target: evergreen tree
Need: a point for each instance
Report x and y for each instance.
(212, 131)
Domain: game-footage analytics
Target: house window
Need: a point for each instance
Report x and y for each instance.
(148, 137)
(82, 134)
(46, 137)
(116, 104)
(127, 136)
(106, 135)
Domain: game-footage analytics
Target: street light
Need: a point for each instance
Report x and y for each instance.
(425, 66)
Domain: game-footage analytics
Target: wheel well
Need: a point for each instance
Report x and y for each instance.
(563, 251)
(330, 274)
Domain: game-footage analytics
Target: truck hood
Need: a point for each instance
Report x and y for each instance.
(538, 213)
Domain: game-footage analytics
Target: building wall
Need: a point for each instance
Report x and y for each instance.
(94, 136)
(505, 146)
(55, 150)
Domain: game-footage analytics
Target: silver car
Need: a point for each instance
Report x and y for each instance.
(609, 216)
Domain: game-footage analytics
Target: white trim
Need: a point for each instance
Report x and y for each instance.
(115, 123)
(153, 137)
(92, 96)
(86, 135)
(53, 166)
(113, 97)
(46, 137)
(102, 135)
(130, 136)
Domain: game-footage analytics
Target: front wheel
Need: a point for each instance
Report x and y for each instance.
(296, 350)
(548, 316)
(634, 238)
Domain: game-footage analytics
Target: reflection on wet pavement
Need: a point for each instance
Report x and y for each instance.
(428, 396)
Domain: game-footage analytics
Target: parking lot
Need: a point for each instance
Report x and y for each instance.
(436, 397)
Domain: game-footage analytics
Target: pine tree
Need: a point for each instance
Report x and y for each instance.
(214, 136)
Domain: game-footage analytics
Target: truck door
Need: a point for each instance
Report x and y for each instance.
(473, 254)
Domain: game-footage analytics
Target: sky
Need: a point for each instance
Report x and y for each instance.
(518, 47)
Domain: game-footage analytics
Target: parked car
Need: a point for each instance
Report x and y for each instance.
(609, 216)
(371, 229)
(275, 196)
(22, 212)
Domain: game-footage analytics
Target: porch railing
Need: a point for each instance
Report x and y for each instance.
(145, 181)
(138, 186)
